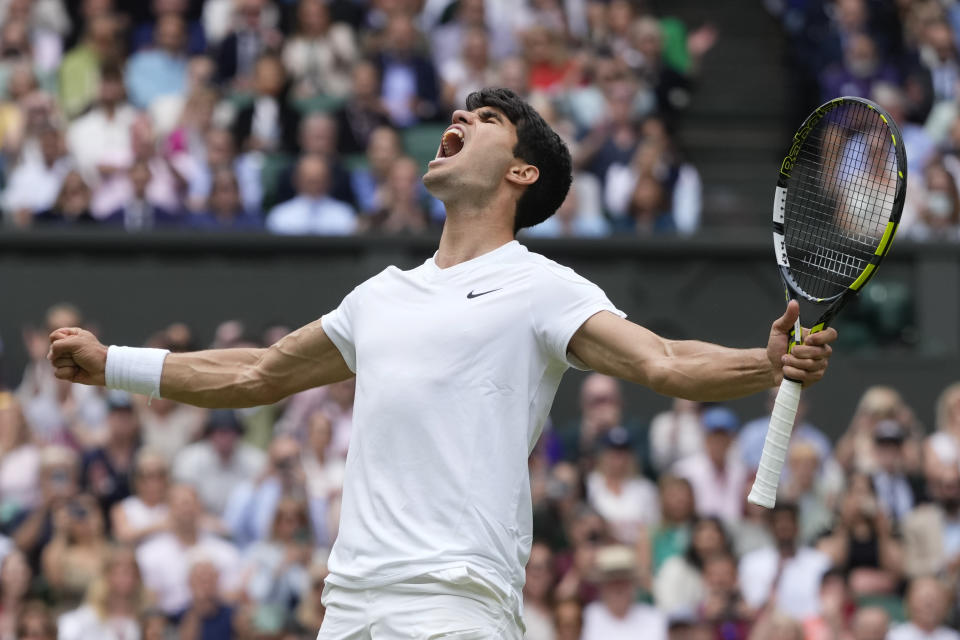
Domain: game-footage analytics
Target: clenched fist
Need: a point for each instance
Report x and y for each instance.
(77, 356)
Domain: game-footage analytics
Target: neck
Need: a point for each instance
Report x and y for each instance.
(467, 235)
(187, 536)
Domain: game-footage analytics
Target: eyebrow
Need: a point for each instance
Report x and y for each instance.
(488, 113)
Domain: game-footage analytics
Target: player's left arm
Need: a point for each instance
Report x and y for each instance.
(699, 370)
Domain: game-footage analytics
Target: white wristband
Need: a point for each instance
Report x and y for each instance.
(135, 370)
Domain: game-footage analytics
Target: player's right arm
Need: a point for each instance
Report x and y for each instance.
(218, 378)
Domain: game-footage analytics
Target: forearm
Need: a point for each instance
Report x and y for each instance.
(707, 372)
(215, 379)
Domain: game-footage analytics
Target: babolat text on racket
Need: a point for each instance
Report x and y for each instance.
(835, 211)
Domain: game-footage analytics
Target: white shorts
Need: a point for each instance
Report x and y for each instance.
(422, 608)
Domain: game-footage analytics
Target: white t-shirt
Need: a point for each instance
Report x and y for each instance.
(641, 621)
(628, 512)
(798, 591)
(456, 372)
(84, 623)
(910, 631)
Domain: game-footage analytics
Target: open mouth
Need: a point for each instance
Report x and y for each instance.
(451, 143)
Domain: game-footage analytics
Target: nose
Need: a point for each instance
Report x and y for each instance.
(462, 117)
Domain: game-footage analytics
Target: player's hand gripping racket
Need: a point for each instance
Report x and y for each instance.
(835, 212)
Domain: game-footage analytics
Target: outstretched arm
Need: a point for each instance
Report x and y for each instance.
(699, 370)
(219, 378)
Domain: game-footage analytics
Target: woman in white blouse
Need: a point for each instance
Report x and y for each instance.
(19, 458)
(320, 56)
(114, 603)
(145, 513)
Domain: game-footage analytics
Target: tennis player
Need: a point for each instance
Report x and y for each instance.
(457, 363)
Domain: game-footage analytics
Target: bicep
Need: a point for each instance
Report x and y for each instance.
(617, 347)
(302, 360)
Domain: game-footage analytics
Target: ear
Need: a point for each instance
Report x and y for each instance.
(523, 175)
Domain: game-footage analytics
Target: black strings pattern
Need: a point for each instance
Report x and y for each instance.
(840, 196)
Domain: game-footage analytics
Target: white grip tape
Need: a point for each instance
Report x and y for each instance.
(135, 369)
(764, 491)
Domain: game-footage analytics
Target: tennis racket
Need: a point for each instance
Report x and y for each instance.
(835, 211)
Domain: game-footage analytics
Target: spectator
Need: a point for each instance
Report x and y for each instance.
(165, 560)
(269, 124)
(672, 536)
(107, 467)
(250, 509)
(751, 438)
(716, 474)
(469, 71)
(33, 186)
(94, 138)
(21, 84)
(836, 609)
(787, 576)
(323, 468)
(938, 213)
(617, 615)
(220, 462)
(942, 448)
(276, 574)
(855, 448)
(537, 605)
(679, 585)
(571, 220)
(77, 552)
(447, 39)
(81, 72)
(927, 607)
(139, 213)
(15, 577)
(931, 533)
(310, 610)
(363, 110)
(19, 460)
(626, 500)
(601, 409)
(676, 434)
(863, 541)
(402, 205)
(168, 426)
(114, 603)
(806, 488)
(319, 56)
(72, 206)
(938, 53)
(318, 135)
(568, 620)
(207, 617)
(33, 529)
(547, 60)
(383, 148)
(897, 492)
(871, 623)
(862, 68)
(219, 151)
(408, 81)
(160, 71)
(312, 211)
(723, 607)
(645, 40)
(224, 210)
(144, 33)
(252, 35)
(138, 517)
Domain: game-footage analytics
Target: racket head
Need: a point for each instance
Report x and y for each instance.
(839, 197)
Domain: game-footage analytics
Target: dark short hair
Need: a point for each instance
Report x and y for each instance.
(537, 144)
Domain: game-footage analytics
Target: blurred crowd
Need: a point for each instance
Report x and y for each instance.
(319, 116)
(902, 54)
(127, 518)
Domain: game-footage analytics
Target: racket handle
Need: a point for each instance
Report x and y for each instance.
(764, 491)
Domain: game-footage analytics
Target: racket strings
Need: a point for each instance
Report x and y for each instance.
(840, 196)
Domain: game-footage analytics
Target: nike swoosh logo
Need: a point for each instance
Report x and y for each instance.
(472, 295)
